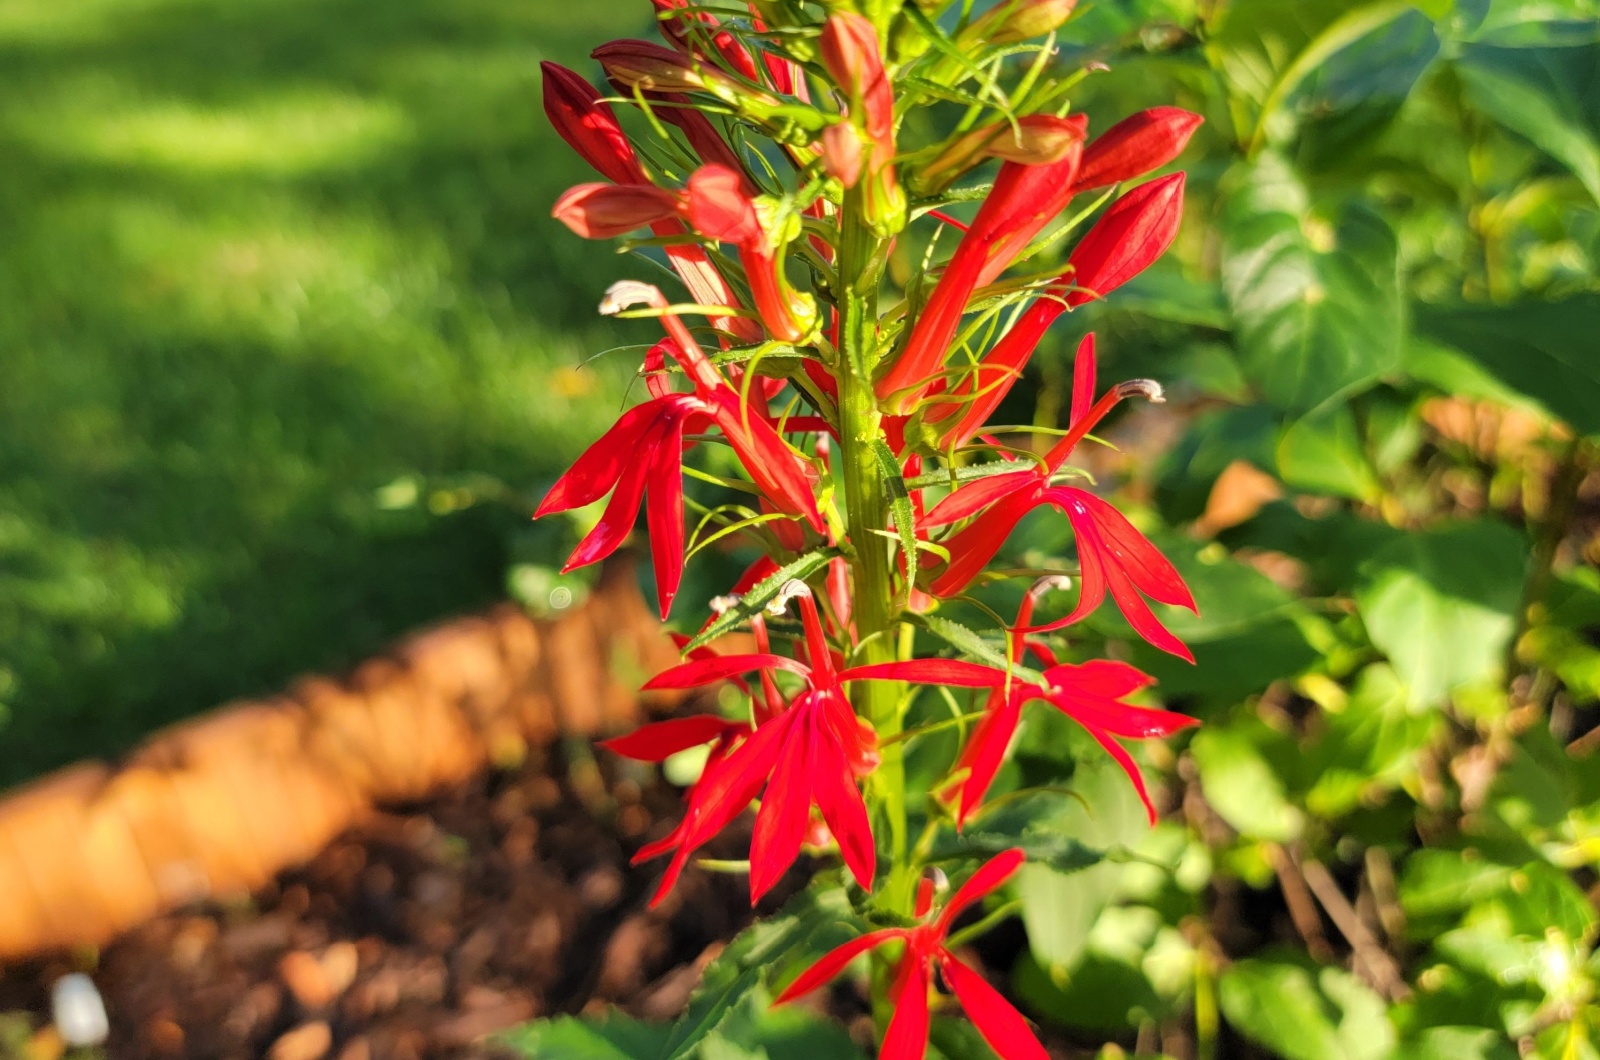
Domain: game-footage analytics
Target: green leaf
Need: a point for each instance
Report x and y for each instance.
(813, 922)
(611, 1037)
(1215, 439)
(1541, 349)
(762, 595)
(1458, 1043)
(969, 642)
(1037, 823)
(1317, 304)
(1060, 908)
(1441, 604)
(1532, 93)
(1323, 454)
(1301, 1014)
(1242, 785)
(905, 517)
(1439, 883)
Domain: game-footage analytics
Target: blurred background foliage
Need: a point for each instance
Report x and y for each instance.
(280, 305)
(289, 342)
(1378, 470)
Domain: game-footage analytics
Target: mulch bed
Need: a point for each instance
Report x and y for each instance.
(416, 934)
(420, 933)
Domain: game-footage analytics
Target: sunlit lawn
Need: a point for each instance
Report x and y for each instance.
(259, 260)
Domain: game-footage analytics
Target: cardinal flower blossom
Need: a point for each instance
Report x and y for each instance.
(813, 751)
(1112, 554)
(925, 945)
(1092, 694)
(1024, 199)
(643, 454)
(1136, 231)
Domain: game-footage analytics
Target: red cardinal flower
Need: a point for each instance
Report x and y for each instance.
(719, 207)
(643, 453)
(606, 211)
(1091, 695)
(1136, 145)
(1111, 553)
(849, 49)
(813, 751)
(1024, 199)
(1001, 1025)
(589, 125)
(1136, 231)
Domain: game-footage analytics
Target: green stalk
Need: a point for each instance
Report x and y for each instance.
(867, 510)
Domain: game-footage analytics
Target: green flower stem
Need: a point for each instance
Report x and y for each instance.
(867, 510)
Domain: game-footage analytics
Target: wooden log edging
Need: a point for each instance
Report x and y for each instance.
(219, 805)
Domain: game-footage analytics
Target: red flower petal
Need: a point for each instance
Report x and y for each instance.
(1137, 230)
(973, 548)
(588, 124)
(976, 496)
(698, 672)
(1129, 766)
(786, 806)
(907, 1036)
(1083, 373)
(953, 672)
(663, 739)
(986, 750)
(604, 211)
(1001, 1025)
(994, 872)
(1136, 145)
(835, 961)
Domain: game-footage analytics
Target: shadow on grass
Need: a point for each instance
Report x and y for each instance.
(260, 259)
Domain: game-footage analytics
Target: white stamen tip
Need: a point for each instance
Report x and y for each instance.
(1052, 583)
(1148, 389)
(625, 294)
(792, 588)
(723, 604)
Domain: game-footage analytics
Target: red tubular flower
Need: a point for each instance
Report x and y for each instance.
(605, 211)
(1136, 231)
(643, 454)
(590, 127)
(718, 208)
(1112, 554)
(1136, 145)
(849, 49)
(813, 752)
(907, 1037)
(1092, 695)
(1024, 199)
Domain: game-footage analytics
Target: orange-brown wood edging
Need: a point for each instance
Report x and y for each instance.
(219, 805)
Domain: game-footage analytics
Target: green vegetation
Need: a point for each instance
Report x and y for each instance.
(260, 261)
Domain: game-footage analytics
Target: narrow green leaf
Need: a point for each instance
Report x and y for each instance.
(763, 594)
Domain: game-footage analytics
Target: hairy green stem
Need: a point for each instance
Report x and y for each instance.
(867, 510)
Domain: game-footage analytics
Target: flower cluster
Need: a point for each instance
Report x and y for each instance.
(859, 416)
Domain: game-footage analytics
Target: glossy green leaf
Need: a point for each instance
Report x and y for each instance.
(612, 1037)
(1441, 604)
(1301, 1014)
(1316, 302)
(1242, 786)
(1544, 350)
(1528, 92)
(1323, 453)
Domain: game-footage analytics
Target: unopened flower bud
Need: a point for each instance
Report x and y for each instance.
(1019, 20)
(1135, 146)
(842, 152)
(1035, 140)
(605, 211)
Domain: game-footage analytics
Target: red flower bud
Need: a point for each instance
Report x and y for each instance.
(842, 152)
(604, 211)
(651, 67)
(1122, 244)
(1136, 145)
(589, 125)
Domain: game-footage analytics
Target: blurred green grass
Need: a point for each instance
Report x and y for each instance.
(260, 259)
